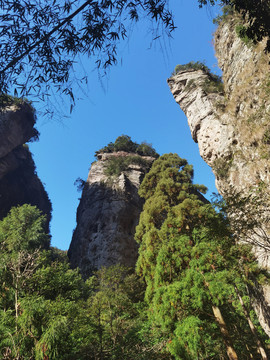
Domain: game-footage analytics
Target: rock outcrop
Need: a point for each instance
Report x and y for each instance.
(232, 129)
(108, 213)
(19, 182)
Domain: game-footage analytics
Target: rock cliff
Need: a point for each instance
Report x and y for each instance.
(232, 129)
(19, 182)
(108, 213)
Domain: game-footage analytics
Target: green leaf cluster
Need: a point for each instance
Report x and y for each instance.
(191, 265)
(212, 84)
(192, 65)
(47, 311)
(114, 166)
(255, 15)
(124, 143)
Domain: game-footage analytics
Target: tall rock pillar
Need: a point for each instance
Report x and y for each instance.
(108, 214)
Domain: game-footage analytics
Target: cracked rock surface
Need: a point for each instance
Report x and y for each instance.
(107, 216)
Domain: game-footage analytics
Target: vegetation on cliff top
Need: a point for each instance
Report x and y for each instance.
(255, 14)
(8, 100)
(116, 165)
(124, 143)
(212, 84)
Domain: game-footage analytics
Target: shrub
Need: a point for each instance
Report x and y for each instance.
(222, 167)
(214, 82)
(213, 85)
(124, 143)
(241, 32)
(8, 100)
(79, 182)
(227, 10)
(116, 165)
(266, 137)
(192, 65)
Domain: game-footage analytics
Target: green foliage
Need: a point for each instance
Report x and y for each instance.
(116, 165)
(79, 183)
(23, 229)
(254, 14)
(58, 33)
(124, 143)
(212, 84)
(190, 263)
(242, 33)
(192, 65)
(222, 167)
(47, 311)
(227, 11)
(8, 100)
(266, 137)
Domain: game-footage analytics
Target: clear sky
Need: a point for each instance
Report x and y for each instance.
(135, 100)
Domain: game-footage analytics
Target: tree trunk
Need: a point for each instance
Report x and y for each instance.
(252, 327)
(225, 333)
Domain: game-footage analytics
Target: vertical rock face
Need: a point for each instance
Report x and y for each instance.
(107, 215)
(233, 129)
(233, 133)
(19, 182)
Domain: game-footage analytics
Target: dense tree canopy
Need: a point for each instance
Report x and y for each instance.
(193, 277)
(191, 265)
(47, 311)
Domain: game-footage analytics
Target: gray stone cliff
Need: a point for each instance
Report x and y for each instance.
(19, 182)
(107, 216)
(232, 130)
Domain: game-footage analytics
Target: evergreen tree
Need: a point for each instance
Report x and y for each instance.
(47, 311)
(193, 269)
(40, 295)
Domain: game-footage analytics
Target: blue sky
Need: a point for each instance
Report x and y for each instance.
(134, 99)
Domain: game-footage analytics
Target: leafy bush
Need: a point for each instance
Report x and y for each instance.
(213, 84)
(116, 165)
(227, 10)
(242, 33)
(198, 65)
(124, 143)
(222, 167)
(8, 100)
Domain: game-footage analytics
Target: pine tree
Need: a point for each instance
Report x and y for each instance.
(194, 270)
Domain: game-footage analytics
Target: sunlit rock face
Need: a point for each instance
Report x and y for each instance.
(107, 215)
(19, 183)
(232, 130)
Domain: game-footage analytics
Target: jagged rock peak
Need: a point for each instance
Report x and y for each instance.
(19, 183)
(109, 212)
(17, 120)
(189, 88)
